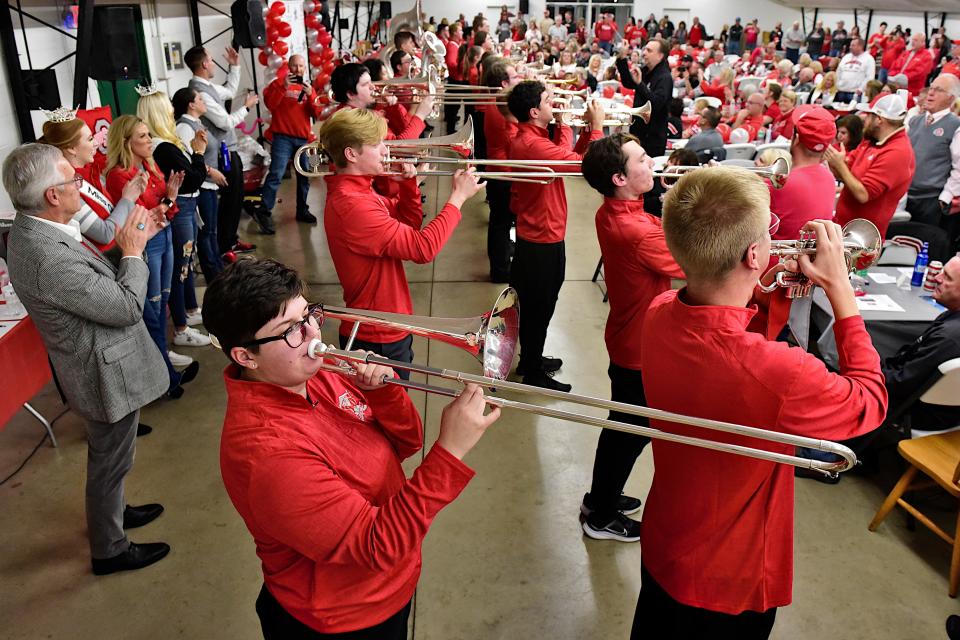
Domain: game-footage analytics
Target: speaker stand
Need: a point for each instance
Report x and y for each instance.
(256, 89)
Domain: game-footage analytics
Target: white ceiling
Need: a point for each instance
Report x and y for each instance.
(933, 6)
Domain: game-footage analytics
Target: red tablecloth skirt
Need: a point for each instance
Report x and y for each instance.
(24, 368)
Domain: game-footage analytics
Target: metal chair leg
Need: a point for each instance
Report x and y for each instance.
(46, 423)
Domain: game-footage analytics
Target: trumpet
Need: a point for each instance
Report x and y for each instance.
(492, 339)
(862, 243)
(644, 112)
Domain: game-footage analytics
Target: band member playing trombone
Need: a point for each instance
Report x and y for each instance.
(312, 462)
(500, 129)
(370, 235)
(718, 529)
(539, 262)
(352, 87)
(637, 268)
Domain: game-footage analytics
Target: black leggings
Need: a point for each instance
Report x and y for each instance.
(277, 624)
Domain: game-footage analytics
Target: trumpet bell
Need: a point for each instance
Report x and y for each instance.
(862, 242)
(410, 20)
(778, 173)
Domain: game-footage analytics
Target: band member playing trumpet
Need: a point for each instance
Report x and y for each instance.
(539, 262)
(370, 235)
(312, 462)
(637, 268)
(500, 128)
(718, 529)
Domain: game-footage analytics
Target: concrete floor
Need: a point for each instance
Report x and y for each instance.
(507, 560)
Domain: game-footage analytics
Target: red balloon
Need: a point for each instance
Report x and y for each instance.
(262, 58)
(313, 22)
(327, 55)
(328, 69)
(271, 21)
(280, 47)
(323, 98)
(724, 130)
(272, 35)
(315, 60)
(325, 39)
(278, 8)
(321, 80)
(285, 29)
(322, 28)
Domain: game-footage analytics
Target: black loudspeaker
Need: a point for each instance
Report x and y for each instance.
(41, 88)
(386, 10)
(249, 29)
(116, 53)
(524, 7)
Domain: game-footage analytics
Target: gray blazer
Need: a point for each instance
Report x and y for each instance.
(90, 316)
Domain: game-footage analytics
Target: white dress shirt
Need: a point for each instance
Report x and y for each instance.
(215, 111)
(952, 187)
(72, 228)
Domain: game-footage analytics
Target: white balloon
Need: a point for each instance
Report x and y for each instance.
(312, 35)
(268, 50)
(274, 61)
(316, 47)
(266, 10)
(739, 136)
(309, 6)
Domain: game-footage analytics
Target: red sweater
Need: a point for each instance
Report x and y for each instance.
(542, 208)
(288, 116)
(370, 236)
(337, 526)
(498, 131)
(604, 31)
(156, 189)
(886, 170)
(637, 267)
(717, 527)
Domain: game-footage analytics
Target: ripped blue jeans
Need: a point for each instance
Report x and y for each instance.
(183, 295)
(159, 256)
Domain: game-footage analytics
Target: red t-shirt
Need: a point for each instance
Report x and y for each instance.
(808, 194)
(604, 32)
(695, 35)
(952, 67)
(288, 115)
(542, 208)
(637, 267)
(370, 236)
(717, 527)
(755, 122)
(338, 528)
(750, 34)
(886, 171)
(782, 126)
(877, 42)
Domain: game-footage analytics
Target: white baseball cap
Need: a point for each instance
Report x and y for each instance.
(890, 106)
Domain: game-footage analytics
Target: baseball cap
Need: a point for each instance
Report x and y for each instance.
(815, 126)
(955, 42)
(890, 106)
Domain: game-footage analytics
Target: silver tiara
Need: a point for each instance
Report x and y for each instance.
(148, 90)
(60, 114)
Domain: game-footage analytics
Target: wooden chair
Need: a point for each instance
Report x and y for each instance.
(938, 457)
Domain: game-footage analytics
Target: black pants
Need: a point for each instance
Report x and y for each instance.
(498, 230)
(479, 135)
(277, 624)
(231, 204)
(537, 274)
(925, 210)
(451, 111)
(660, 616)
(617, 451)
(400, 350)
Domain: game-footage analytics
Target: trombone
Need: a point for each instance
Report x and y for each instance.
(644, 112)
(777, 173)
(491, 337)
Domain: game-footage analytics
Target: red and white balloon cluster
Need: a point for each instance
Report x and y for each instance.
(321, 57)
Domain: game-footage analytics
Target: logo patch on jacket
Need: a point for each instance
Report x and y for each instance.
(938, 132)
(347, 402)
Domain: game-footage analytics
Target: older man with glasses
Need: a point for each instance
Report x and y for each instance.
(89, 313)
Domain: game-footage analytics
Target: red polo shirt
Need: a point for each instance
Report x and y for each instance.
(637, 267)
(498, 131)
(717, 527)
(541, 209)
(337, 526)
(370, 236)
(886, 170)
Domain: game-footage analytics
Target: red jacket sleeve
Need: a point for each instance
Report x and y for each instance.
(397, 417)
(327, 520)
(821, 404)
(405, 204)
(652, 252)
(412, 127)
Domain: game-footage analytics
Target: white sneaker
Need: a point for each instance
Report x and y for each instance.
(190, 337)
(195, 318)
(178, 360)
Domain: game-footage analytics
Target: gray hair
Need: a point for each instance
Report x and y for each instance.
(28, 172)
(953, 83)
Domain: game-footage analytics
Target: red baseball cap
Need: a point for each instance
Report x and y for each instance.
(815, 126)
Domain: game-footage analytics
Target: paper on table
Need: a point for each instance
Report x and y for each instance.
(878, 303)
(5, 326)
(882, 278)
(905, 270)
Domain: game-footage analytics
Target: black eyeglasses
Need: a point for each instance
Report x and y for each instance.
(297, 332)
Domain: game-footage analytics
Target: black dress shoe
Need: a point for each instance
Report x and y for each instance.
(264, 221)
(144, 429)
(542, 380)
(307, 217)
(188, 374)
(547, 365)
(134, 517)
(137, 556)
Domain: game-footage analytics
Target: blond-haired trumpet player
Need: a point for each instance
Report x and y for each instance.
(539, 261)
(718, 529)
(370, 235)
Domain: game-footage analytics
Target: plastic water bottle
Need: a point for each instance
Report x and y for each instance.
(225, 154)
(920, 267)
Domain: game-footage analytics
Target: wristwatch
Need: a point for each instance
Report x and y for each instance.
(167, 201)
